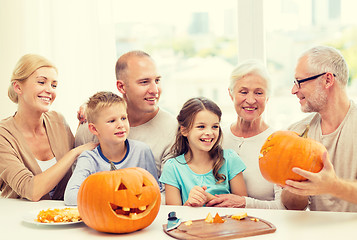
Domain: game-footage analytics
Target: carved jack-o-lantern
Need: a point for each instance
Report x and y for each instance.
(119, 201)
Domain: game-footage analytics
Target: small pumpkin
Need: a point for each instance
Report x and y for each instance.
(284, 150)
(119, 201)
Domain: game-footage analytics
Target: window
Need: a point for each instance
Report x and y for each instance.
(293, 26)
(194, 44)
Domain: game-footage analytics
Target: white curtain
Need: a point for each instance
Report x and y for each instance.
(77, 36)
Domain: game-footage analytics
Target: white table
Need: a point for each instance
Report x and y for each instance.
(300, 225)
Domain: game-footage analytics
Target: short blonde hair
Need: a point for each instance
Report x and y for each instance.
(26, 66)
(101, 100)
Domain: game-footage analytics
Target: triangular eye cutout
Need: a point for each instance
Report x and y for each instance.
(144, 185)
(122, 187)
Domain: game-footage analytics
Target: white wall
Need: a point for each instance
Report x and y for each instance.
(251, 33)
(77, 36)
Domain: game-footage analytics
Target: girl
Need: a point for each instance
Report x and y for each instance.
(199, 167)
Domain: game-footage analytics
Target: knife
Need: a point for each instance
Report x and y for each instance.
(172, 221)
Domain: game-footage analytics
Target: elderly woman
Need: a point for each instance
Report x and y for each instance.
(36, 145)
(249, 90)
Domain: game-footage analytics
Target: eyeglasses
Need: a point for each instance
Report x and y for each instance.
(297, 82)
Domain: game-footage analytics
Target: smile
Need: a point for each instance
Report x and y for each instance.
(45, 99)
(249, 108)
(128, 211)
(119, 133)
(206, 139)
(132, 213)
(301, 99)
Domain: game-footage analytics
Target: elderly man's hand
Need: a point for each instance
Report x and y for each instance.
(227, 200)
(81, 114)
(316, 183)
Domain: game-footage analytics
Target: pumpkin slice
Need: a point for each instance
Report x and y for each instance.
(218, 219)
(209, 218)
(188, 223)
(239, 216)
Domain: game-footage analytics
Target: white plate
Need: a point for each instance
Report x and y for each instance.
(31, 217)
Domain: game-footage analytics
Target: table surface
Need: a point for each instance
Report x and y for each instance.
(289, 224)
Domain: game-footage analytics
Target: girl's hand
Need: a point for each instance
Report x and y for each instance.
(197, 197)
(209, 196)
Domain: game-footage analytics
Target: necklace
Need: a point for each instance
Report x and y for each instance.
(112, 166)
(241, 143)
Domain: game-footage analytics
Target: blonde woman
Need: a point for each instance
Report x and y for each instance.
(36, 145)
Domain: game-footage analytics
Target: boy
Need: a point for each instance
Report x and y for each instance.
(107, 119)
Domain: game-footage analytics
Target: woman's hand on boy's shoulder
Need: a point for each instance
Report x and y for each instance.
(87, 146)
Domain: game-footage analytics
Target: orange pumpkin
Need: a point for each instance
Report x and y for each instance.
(119, 201)
(284, 150)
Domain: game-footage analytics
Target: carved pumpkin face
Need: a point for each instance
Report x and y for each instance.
(119, 201)
(284, 150)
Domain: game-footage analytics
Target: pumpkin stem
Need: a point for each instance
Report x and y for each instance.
(112, 166)
(304, 134)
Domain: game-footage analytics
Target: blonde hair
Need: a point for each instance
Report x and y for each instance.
(101, 100)
(26, 66)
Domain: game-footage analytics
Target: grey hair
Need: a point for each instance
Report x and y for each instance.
(322, 59)
(249, 67)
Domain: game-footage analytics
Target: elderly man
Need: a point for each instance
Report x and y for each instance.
(140, 85)
(321, 78)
